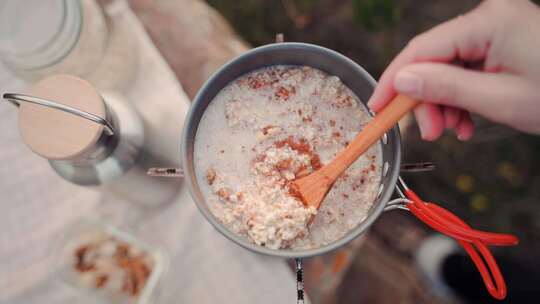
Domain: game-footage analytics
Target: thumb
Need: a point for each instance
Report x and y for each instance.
(480, 92)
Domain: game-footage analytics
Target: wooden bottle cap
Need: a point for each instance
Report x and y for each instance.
(55, 134)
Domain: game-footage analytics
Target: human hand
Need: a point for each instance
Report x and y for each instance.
(503, 38)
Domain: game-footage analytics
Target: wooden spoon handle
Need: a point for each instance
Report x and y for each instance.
(380, 124)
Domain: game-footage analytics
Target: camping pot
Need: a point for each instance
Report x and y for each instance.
(362, 84)
(333, 63)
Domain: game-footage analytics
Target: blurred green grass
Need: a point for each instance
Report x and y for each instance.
(370, 32)
(376, 15)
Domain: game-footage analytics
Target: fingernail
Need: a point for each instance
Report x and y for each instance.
(461, 137)
(370, 104)
(421, 117)
(423, 132)
(372, 108)
(408, 83)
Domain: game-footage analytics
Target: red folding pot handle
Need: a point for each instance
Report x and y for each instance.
(437, 219)
(474, 242)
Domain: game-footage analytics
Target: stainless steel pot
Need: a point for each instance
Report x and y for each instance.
(331, 62)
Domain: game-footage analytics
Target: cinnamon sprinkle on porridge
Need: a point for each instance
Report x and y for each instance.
(268, 128)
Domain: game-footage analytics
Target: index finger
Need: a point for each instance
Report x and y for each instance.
(464, 37)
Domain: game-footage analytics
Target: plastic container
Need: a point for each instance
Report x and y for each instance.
(88, 278)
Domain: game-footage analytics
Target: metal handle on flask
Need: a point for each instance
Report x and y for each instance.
(16, 99)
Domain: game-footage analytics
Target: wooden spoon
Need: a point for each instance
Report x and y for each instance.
(313, 188)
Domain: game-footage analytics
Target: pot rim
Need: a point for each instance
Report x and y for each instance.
(187, 159)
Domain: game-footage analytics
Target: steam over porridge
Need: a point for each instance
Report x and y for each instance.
(268, 128)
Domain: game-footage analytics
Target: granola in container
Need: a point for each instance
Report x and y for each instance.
(109, 265)
(269, 127)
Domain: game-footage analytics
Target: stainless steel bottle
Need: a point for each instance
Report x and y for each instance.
(94, 139)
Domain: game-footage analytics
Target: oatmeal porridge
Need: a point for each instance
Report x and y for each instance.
(266, 129)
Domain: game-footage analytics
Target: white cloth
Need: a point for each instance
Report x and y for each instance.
(37, 205)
